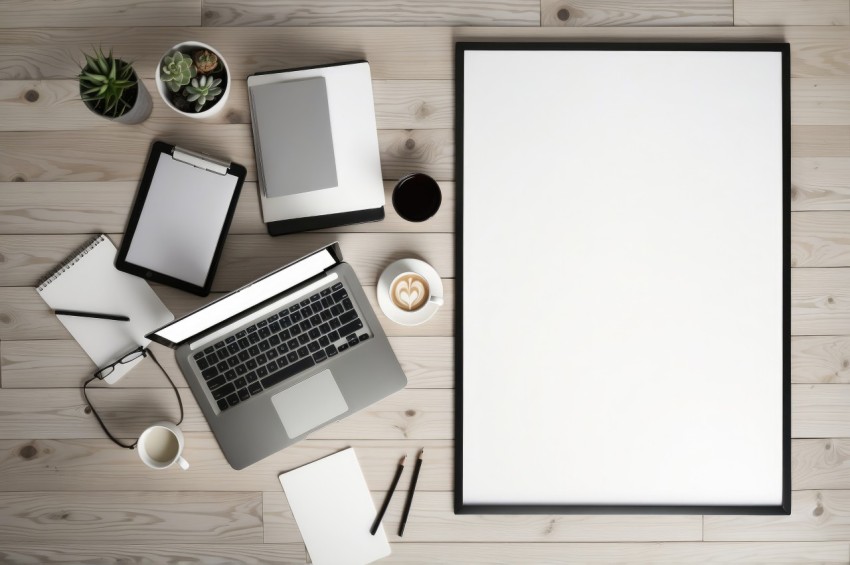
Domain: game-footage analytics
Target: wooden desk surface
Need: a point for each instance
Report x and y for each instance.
(68, 495)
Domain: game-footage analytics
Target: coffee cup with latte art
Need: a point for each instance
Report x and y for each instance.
(410, 291)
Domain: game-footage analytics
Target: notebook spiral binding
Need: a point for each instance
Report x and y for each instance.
(69, 262)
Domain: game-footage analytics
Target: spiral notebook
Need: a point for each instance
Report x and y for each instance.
(88, 281)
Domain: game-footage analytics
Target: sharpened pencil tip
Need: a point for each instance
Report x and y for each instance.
(403, 459)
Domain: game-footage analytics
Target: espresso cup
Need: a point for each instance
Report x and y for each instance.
(417, 197)
(161, 445)
(410, 291)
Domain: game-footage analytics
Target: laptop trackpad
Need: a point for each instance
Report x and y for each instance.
(310, 403)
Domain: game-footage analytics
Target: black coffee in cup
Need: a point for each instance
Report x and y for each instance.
(417, 197)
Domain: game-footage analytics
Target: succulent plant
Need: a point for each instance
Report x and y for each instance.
(176, 71)
(104, 80)
(202, 90)
(206, 61)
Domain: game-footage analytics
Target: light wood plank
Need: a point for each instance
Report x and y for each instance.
(820, 101)
(820, 183)
(820, 463)
(673, 553)
(820, 301)
(97, 465)
(103, 207)
(50, 13)
(818, 141)
(40, 105)
(60, 413)
(820, 239)
(393, 53)
(792, 12)
(820, 411)
(245, 257)
(372, 13)
(820, 359)
(644, 13)
(88, 156)
(25, 316)
(208, 554)
(427, 361)
(130, 517)
(432, 519)
(816, 515)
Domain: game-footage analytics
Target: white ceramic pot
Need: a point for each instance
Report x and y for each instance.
(190, 46)
(140, 111)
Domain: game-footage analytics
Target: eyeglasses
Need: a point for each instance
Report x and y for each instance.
(104, 372)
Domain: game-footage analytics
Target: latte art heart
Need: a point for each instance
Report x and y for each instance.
(409, 291)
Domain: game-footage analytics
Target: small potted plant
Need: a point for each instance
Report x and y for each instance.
(193, 79)
(110, 87)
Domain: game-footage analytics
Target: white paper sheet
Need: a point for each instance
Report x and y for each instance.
(334, 511)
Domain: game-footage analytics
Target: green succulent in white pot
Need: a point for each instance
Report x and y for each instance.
(110, 88)
(193, 79)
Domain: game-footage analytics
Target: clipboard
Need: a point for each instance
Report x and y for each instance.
(180, 218)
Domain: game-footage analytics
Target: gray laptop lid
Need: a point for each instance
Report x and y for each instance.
(294, 144)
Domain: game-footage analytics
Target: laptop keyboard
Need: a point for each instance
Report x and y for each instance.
(266, 353)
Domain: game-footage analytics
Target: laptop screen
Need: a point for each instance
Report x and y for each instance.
(246, 297)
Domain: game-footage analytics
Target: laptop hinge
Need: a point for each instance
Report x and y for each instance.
(201, 161)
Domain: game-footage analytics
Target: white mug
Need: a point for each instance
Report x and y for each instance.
(161, 445)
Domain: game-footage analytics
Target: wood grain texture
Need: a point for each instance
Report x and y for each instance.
(820, 411)
(820, 359)
(816, 515)
(820, 183)
(820, 239)
(245, 257)
(25, 316)
(818, 141)
(792, 12)
(137, 554)
(60, 413)
(72, 13)
(820, 301)
(372, 13)
(820, 464)
(432, 519)
(393, 53)
(820, 101)
(130, 516)
(45, 363)
(97, 465)
(103, 207)
(644, 13)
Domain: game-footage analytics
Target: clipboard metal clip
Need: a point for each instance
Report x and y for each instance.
(201, 161)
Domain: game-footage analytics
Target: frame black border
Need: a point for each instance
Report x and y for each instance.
(159, 148)
(785, 507)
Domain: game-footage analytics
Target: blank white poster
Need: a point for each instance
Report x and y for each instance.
(622, 278)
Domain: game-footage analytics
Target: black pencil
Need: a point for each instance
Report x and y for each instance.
(115, 317)
(410, 492)
(389, 496)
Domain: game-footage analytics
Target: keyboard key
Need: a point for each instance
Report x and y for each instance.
(251, 377)
(327, 301)
(241, 369)
(198, 355)
(262, 371)
(364, 337)
(330, 351)
(274, 327)
(251, 329)
(216, 382)
(339, 295)
(230, 375)
(303, 338)
(315, 320)
(305, 302)
(282, 362)
(271, 353)
(292, 343)
(251, 364)
(219, 345)
(314, 333)
(335, 323)
(233, 348)
(314, 298)
(336, 310)
(287, 372)
(284, 335)
(223, 354)
(233, 361)
(294, 307)
(223, 391)
(244, 355)
(352, 340)
(241, 334)
(264, 345)
(209, 350)
(295, 329)
(333, 336)
(244, 394)
(253, 337)
(305, 325)
(233, 399)
(223, 405)
(244, 343)
(212, 359)
(264, 332)
(306, 311)
(348, 316)
(324, 341)
(325, 292)
(292, 356)
(222, 366)
(337, 286)
(231, 339)
(240, 382)
(282, 348)
(325, 328)
(326, 315)
(350, 328)
(295, 317)
(313, 346)
(285, 322)
(255, 388)
(261, 359)
(202, 363)
(302, 352)
(272, 367)
(254, 350)
(342, 347)
(347, 304)
(274, 340)
(272, 318)
(319, 356)
(262, 324)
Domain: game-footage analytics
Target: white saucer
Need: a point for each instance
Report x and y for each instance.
(396, 314)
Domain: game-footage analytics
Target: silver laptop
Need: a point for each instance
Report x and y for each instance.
(283, 356)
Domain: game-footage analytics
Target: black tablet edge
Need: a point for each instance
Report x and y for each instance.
(784, 507)
(295, 225)
(309, 68)
(159, 148)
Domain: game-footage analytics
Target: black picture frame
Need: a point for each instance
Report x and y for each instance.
(785, 506)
